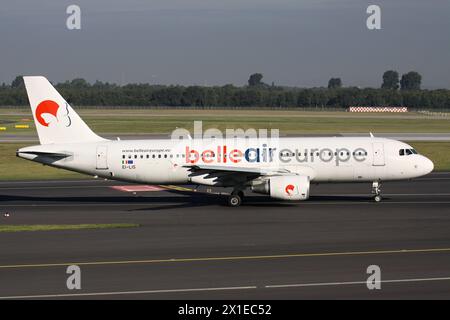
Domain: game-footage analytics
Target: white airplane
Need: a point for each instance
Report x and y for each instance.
(282, 169)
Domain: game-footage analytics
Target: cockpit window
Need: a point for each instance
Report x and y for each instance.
(407, 152)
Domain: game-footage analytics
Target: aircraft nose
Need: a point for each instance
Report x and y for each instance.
(427, 165)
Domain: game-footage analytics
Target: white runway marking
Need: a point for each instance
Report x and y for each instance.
(276, 286)
(67, 295)
(325, 284)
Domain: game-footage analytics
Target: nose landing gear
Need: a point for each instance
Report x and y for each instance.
(376, 191)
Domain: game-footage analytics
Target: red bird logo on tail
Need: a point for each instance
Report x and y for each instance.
(47, 106)
(289, 189)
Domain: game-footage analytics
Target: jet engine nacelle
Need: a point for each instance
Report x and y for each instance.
(284, 187)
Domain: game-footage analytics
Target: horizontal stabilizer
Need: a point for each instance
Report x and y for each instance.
(45, 154)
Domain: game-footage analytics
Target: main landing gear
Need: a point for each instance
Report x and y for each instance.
(376, 190)
(235, 198)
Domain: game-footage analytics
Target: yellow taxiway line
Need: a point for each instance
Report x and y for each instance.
(229, 258)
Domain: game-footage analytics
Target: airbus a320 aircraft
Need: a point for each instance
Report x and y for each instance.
(282, 169)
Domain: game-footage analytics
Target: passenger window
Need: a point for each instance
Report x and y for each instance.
(123, 157)
(402, 152)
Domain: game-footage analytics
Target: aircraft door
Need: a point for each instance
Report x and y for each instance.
(378, 154)
(102, 157)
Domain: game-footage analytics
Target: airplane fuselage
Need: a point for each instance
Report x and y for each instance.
(333, 159)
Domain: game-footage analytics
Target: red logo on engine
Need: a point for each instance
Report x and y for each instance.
(47, 106)
(289, 189)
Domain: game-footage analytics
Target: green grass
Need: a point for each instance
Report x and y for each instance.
(164, 121)
(14, 168)
(59, 227)
(284, 124)
(438, 152)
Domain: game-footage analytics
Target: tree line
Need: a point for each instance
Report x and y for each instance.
(391, 81)
(394, 91)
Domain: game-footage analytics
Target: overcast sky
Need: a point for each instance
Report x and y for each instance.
(215, 42)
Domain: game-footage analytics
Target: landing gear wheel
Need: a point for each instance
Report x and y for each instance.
(376, 189)
(234, 200)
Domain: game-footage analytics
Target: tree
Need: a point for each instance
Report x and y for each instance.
(255, 80)
(411, 81)
(390, 80)
(18, 82)
(334, 83)
(79, 83)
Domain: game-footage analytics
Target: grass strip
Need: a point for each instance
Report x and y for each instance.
(59, 227)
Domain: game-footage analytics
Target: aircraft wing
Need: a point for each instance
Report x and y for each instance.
(242, 170)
